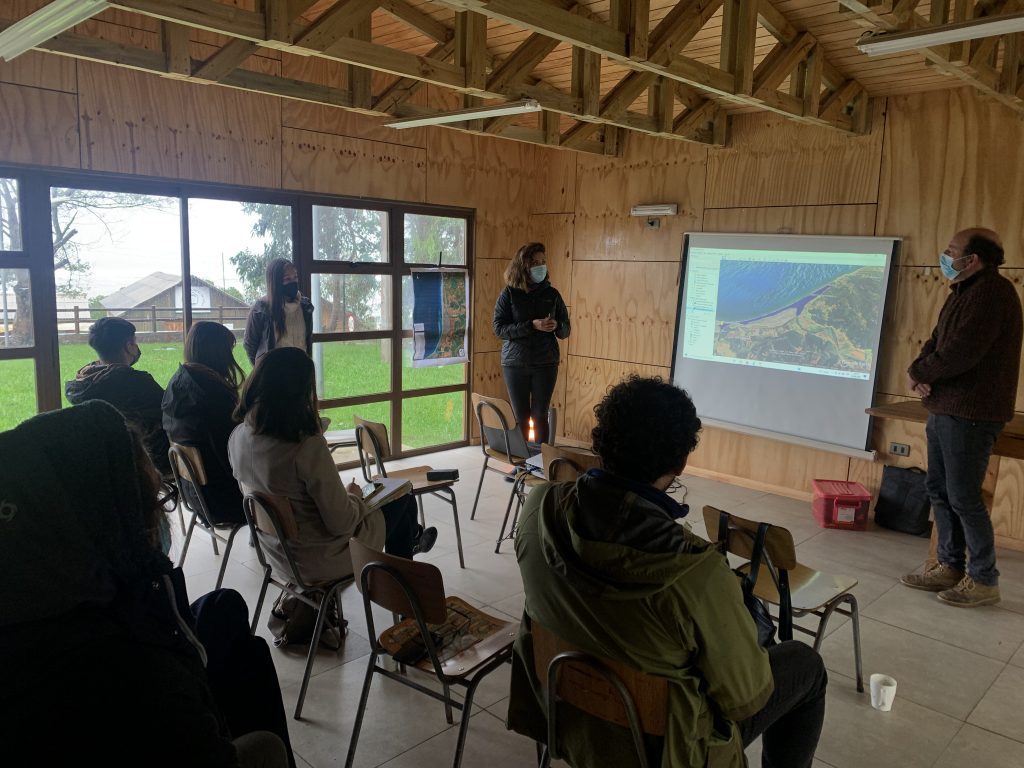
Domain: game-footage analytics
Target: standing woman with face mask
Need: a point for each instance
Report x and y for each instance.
(530, 316)
(282, 318)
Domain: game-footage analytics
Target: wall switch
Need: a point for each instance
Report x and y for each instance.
(899, 449)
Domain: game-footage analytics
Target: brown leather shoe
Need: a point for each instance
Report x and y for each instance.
(935, 578)
(970, 594)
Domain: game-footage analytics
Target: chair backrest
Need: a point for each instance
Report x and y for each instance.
(562, 464)
(602, 688)
(422, 580)
(778, 544)
(273, 516)
(373, 446)
(187, 463)
(498, 428)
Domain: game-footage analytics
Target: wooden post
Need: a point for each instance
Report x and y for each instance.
(78, 327)
(152, 312)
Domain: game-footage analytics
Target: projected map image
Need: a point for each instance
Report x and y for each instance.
(799, 314)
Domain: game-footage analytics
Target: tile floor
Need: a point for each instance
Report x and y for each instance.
(960, 672)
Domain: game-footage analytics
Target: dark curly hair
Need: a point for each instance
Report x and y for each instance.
(645, 428)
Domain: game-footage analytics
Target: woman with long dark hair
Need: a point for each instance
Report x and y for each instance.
(278, 449)
(530, 316)
(282, 318)
(198, 410)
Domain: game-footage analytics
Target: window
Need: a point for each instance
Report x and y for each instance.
(18, 384)
(16, 327)
(10, 215)
(435, 240)
(353, 235)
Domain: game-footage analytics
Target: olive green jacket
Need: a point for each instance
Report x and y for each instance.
(615, 575)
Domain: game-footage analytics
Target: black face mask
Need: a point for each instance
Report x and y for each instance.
(290, 291)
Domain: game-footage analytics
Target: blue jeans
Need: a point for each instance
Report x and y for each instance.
(958, 454)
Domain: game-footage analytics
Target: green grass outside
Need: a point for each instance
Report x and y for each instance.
(350, 369)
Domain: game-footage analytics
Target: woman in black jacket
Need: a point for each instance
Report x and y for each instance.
(198, 409)
(282, 318)
(530, 316)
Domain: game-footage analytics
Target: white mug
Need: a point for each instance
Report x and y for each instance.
(883, 691)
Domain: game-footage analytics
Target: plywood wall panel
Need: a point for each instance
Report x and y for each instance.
(489, 281)
(556, 172)
(797, 220)
(142, 124)
(487, 380)
(555, 231)
(651, 171)
(587, 381)
(1008, 502)
(492, 175)
(920, 294)
(762, 463)
(624, 311)
(952, 160)
(340, 165)
(38, 127)
(55, 73)
(774, 161)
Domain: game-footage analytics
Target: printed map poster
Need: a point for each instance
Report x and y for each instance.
(440, 317)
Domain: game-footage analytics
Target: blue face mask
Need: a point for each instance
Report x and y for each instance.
(946, 265)
(538, 273)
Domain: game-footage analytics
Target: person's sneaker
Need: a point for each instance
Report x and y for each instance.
(935, 578)
(970, 594)
(424, 541)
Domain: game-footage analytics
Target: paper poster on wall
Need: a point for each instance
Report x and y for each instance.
(440, 317)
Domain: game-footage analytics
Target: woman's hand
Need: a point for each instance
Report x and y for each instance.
(545, 324)
(354, 489)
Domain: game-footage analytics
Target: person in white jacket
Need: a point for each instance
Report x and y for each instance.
(279, 449)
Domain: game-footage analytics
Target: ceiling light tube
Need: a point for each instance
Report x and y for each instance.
(477, 113)
(45, 24)
(882, 43)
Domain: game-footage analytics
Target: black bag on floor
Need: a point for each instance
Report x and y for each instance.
(292, 622)
(903, 503)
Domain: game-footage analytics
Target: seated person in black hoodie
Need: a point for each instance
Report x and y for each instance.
(198, 409)
(112, 379)
(103, 660)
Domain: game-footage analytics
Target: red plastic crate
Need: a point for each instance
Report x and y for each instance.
(841, 504)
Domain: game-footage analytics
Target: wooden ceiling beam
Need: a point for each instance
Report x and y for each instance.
(417, 19)
(337, 23)
(521, 62)
(400, 90)
(780, 63)
(359, 78)
(176, 42)
(586, 80)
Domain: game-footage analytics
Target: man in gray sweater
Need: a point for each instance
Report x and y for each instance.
(966, 375)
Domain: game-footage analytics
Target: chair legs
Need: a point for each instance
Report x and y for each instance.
(458, 530)
(476, 500)
(314, 644)
(262, 597)
(515, 497)
(188, 540)
(227, 553)
(854, 613)
(358, 725)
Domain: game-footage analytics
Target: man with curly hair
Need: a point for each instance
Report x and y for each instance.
(607, 568)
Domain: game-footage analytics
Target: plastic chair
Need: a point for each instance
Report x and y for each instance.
(604, 689)
(374, 447)
(190, 477)
(794, 589)
(272, 521)
(472, 643)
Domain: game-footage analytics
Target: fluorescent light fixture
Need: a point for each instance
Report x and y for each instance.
(882, 43)
(477, 113)
(658, 209)
(45, 24)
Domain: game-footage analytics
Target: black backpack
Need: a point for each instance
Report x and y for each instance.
(903, 503)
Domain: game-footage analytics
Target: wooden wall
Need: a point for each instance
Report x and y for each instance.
(932, 163)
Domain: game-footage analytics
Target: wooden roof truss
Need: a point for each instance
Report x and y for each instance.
(990, 64)
(686, 99)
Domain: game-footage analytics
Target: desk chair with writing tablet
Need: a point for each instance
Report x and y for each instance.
(374, 447)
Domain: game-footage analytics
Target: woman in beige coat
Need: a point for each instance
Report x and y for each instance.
(279, 449)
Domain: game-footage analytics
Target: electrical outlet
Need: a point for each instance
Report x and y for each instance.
(899, 449)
